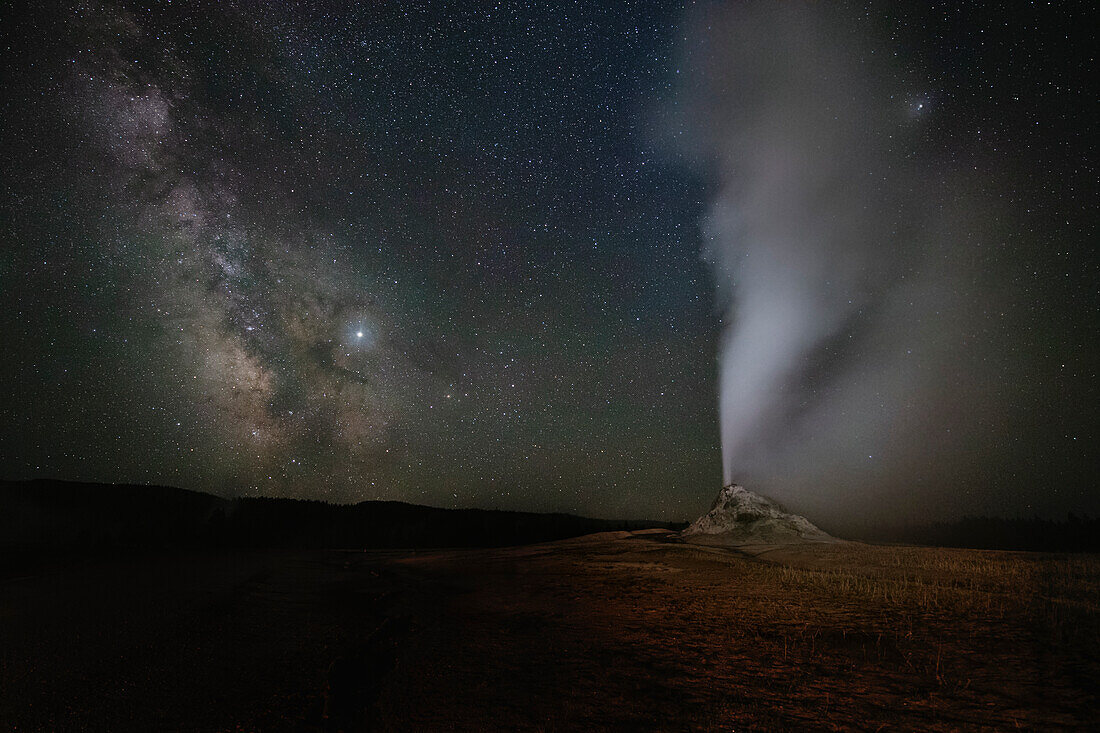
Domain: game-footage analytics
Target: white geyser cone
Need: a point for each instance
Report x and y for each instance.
(741, 517)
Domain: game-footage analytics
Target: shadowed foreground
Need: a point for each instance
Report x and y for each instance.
(607, 632)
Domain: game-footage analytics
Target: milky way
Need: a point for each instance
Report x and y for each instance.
(474, 256)
(365, 254)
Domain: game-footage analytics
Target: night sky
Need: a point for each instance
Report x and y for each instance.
(481, 254)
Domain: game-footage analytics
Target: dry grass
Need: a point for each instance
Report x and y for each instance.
(1054, 594)
(606, 633)
(635, 634)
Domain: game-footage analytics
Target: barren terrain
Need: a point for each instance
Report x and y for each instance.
(616, 631)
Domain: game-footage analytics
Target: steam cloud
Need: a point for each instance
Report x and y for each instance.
(862, 345)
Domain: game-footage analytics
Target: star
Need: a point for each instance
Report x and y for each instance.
(919, 106)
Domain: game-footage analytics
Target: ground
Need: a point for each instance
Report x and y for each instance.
(616, 631)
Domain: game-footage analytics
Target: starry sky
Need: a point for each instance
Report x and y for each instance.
(475, 254)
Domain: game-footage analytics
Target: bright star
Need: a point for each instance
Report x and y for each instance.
(919, 106)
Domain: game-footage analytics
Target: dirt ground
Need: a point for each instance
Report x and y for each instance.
(615, 631)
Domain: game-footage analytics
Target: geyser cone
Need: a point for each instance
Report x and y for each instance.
(741, 517)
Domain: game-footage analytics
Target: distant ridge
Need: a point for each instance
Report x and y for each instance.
(61, 514)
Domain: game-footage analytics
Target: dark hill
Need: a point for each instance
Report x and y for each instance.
(67, 515)
(1074, 534)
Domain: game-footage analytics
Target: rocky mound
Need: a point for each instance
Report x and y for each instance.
(741, 517)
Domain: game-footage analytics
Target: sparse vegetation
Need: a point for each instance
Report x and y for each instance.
(617, 631)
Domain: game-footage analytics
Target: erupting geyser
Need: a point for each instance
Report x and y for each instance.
(851, 267)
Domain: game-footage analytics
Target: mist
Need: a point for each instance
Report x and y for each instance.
(870, 357)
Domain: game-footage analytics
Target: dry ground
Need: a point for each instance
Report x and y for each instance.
(607, 632)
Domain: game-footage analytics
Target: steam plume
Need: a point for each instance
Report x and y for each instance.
(848, 264)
